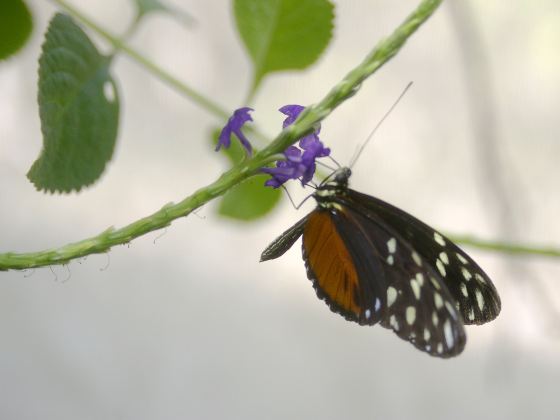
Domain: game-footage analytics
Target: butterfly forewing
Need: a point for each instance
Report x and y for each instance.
(468, 284)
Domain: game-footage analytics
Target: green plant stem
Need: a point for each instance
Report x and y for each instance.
(505, 247)
(111, 236)
(101, 243)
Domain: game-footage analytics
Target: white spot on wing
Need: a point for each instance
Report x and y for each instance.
(471, 315)
(461, 258)
(448, 333)
(479, 299)
(415, 288)
(416, 258)
(464, 290)
(427, 334)
(377, 304)
(394, 323)
(480, 278)
(391, 295)
(466, 273)
(410, 315)
(390, 260)
(440, 267)
(439, 239)
(392, 245)
(368, 314)
(435, 319)
(435, 283)
(420, 278)
(440, 348)
(438, 300)
(444, 258)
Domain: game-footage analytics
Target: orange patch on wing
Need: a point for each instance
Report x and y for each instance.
(330, 261)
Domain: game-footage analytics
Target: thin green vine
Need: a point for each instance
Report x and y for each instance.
(506, 247)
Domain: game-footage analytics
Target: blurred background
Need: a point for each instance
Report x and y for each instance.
(186, 323)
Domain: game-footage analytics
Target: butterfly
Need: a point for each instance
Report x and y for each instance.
(373, 263)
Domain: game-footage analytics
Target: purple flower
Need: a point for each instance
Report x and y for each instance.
(312, 149)
(297, 164)
(291, 168)
(236, 121)
(292, 112)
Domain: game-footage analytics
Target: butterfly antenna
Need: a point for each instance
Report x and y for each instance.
(335, 161)
(362, 147)
(355, 155)
(324, 165)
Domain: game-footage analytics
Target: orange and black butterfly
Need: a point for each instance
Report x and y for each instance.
(374, 263)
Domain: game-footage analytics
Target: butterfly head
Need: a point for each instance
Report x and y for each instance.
(341, 176)
(338, 179)
(335, 184)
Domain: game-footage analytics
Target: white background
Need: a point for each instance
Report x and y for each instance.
(190, 325)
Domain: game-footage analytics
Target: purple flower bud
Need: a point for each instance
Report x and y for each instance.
(236, 121)
(292, 112)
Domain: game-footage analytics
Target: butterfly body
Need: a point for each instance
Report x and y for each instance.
(374, 263)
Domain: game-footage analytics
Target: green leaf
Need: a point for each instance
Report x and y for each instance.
(249, 200)
(283, 34)
(79, 110)
(15, 26)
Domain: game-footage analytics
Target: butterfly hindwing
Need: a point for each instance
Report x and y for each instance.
(467, 283)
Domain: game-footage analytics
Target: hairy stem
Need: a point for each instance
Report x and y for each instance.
(111, 236)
